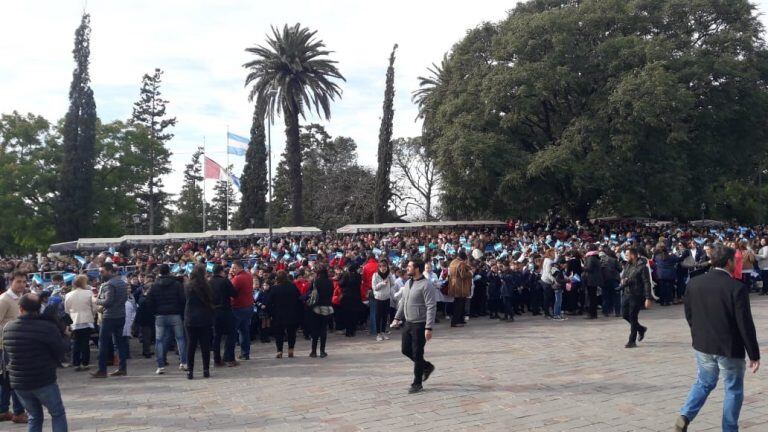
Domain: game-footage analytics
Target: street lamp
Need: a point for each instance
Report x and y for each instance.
(272, 92)
(136, 221)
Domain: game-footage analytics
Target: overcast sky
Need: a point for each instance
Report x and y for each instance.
(200, 46)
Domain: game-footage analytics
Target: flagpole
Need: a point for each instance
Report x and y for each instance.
(227, 174)
(203, 183)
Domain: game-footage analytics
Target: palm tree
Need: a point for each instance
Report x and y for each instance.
(288, 75)
(424, 97)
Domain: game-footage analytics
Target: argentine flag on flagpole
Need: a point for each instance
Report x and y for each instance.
(236, 144)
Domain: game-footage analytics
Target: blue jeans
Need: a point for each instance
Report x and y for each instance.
(111, 329)
(709, 367)
(243, 327)
(164, 325)
(558, 308)
(50, 398)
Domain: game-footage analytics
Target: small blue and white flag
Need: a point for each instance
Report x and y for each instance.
(236, 144)
(68, 277)
(80, 259)
(235, 181)
(38, 279)
(209, 267)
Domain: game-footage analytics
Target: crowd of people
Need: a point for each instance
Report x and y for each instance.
(195, 297)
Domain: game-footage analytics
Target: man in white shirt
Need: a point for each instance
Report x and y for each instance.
(762, 263)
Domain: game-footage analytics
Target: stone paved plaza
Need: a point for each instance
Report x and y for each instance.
(531, 375)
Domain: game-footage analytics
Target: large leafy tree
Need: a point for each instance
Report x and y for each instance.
(74, 208)
(30, 149)
(149, 114)
(189, 206)
(603, 106)
(291, 75)
(382, 192)
(337, 187)
(254, 183)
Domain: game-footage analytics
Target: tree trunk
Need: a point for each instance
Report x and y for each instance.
(293, 160)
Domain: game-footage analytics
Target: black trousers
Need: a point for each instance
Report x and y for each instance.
(382, 315)
(223, 326)
(549, 298)
(477, 305)
(280, 335)
(592, 301)
(537, 298)
(630, 308)
(413, 347)
(199, 336)
(81, 348)
(319, 330)
(147, 339)
(457, 315)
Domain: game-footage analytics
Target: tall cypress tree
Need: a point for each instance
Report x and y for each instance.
(189, 205)
(75, 200)
(253, 183)
(381, 191)
(149, 113)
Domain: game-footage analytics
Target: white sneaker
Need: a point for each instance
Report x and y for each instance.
(182, 367)
(160, 371)
(386, 337)
(379, 338)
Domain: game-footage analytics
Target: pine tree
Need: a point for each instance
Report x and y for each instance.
(381, 193)
(189, 205)
(75, 198)
(220, 212)
(253, 183)
(149, 113)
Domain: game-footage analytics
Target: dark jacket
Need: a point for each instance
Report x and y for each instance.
(112, 297)
(592, 276)
(610, 268)
(324, 289)
(637, 280)
(34, 347)
(494, 286)
(145, 315)
(167, 296)
(223, 293)
(196, 312)
(286, 307)
(666, 267)
(350, 292)
(718, 312)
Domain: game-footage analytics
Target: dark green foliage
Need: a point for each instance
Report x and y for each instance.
(74, 209)
(337, 189)
(291, 75)
(382, 192)
(189, 205)
(222, 210)
(149, 114)
(254, 182)
(602, 106)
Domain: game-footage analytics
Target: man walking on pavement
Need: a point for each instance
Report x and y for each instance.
(717, 310)
(111, 299)
(416, 312)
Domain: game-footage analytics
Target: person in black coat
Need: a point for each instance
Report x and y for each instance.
(321, 311)
(718, 312)
(35, 349)
(198, 319)
(592, 278)
(224, 321)
(145, 318)
(286, 312)
(351, 304)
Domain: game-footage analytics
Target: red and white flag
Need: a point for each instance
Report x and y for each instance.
(212, 170)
